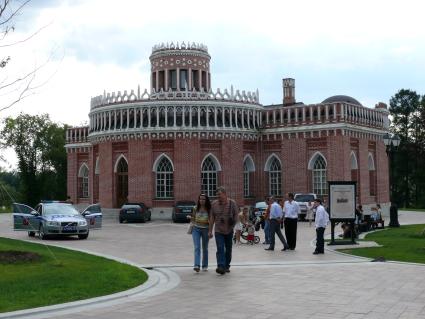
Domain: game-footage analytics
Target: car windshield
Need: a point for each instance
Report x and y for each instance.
(186, 203)
(304, 198)
(130, 206)
(59, 209)
(261, 205)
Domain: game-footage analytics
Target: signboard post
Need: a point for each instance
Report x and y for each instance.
(342, 208)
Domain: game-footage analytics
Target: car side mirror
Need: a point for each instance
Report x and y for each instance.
(35, 213)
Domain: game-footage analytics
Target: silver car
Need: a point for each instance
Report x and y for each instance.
(56, 218)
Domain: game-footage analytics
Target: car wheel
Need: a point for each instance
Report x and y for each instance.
(174, 218)
(41, 232)
(83, 236)
(31, 233)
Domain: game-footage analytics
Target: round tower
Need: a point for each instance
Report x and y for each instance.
(180, 67)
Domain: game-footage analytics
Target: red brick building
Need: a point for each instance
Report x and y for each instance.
(181, 137)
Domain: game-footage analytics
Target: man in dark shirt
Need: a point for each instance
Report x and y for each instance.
(223, 217)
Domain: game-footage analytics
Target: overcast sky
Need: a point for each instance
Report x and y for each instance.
(366, 49)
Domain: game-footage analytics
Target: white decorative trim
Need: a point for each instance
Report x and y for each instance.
(80, 171)
(250, 162)
(353, 156)
(97, 167)
(118, 160)
(313, 159)
(158, 159)
(269, 160)
(370, 162)
(214, 159)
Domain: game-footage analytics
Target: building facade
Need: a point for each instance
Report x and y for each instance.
(181, 138)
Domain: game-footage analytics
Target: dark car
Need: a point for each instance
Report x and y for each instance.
(134, 212)
(182, 209)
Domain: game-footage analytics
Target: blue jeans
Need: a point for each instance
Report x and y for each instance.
(267, 231)
(224, 249)
(197, 235)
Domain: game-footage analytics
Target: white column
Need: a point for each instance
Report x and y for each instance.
(149, 117)
(319, 117)
(128, 118)
(189, 77)
(215, 116)
(303, 114)
(334, 111)
(190, 116)
(157, 81)
(243, 118)
(199, 116)
(296, 115)
(166, 81)
(115, 120)
(327, 112)
(223, 117)
(289, 116)
(121, 119)
(157, 116)
(230, 117)
(208, 116)
(166, 116)
(311, 114)
(178, 78)
(174, 116)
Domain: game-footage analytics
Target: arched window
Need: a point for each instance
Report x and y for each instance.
(372, 175)
(355, 171)
(209, 177)
(164, 178)
(83, 182)
(121, 170)
(320, 185)
(248, 167)
(275, 177)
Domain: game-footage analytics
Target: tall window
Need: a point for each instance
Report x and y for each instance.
(372, 175)
(209, 177)
(245, 180)
(83, 177)
(122, 182)
(164, 179)
(275, 178)
(320, 186)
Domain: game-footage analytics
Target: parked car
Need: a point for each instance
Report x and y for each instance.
(135, 212)
(182, 209)
(303, 200)
(55, 218)
(258, 210)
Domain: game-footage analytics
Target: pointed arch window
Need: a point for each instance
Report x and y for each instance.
(83, 179)
(246, 191)
(164, 179)
(275, 178)
(320, 185)
(372, 175)
(209, 177)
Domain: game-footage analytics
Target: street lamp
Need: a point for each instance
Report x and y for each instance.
(391, 143)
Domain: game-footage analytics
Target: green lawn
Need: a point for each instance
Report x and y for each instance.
(5, 209)
(406, 243)
(413, 209)
(59, 275)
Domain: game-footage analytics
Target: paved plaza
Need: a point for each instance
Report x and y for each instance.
(262, 284)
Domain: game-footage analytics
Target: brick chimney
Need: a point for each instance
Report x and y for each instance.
(288, 91)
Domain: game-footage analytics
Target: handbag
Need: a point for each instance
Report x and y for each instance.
(190, 229)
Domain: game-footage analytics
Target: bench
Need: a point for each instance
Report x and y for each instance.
(374, 224)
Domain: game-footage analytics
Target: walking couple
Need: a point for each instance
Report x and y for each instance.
(220, 215)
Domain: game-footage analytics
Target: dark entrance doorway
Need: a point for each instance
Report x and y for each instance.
(122, 182)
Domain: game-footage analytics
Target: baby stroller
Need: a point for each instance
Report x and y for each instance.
(248, 234)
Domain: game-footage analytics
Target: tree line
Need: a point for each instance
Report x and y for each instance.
(39, 145)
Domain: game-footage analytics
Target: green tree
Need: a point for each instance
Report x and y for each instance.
(408, 124)
(39, 146)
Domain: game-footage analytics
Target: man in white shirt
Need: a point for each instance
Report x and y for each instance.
(321, 221)
(275, 216)
(292, 209)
